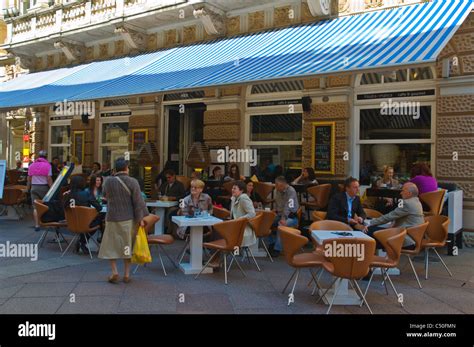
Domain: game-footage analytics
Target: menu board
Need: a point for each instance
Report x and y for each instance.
(324, 146)
(3, 172)
(78, 142)
(139, 137)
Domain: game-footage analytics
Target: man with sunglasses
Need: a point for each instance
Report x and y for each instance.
(171, 188)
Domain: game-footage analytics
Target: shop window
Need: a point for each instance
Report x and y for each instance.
(399, 120)
(401, 75)
(276, 127)
(277, 160)
(114, 141)
(399, 141)
(199, 94)
(401, 157)
(116, 102)
(277, 87)
(60, 142)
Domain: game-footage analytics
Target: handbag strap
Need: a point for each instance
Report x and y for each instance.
(124, 185)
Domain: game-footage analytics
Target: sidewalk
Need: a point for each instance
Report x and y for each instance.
(77, 284)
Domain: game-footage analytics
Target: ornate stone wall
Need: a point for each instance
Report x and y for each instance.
(455, 118)
(222, 128)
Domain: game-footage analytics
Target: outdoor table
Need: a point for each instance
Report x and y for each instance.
(345, 296)
(302, 189)
(196, 225)
(160, 211)
(384, 193)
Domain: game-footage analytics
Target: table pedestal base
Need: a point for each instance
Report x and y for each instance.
(345, 296)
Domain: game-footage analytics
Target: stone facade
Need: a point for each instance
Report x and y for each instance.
(455, 118)
(222, 128)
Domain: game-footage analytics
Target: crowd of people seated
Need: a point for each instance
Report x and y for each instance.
(345, 205)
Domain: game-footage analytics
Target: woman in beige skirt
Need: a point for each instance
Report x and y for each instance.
(125, 212)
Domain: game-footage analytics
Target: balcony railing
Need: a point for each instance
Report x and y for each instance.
(59, 18)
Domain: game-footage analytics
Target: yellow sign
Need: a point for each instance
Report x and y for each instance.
(26, 151)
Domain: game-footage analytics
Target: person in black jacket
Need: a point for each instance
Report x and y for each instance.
(346, 207)
(79, 196)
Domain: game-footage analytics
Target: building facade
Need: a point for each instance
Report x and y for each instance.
(278, 118)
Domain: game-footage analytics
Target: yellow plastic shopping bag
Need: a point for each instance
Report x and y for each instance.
(141, 252)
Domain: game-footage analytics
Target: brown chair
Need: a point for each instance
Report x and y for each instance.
(435, 237)
(264, 229)
(317, 216)
(157, 240)
(416, 233)
(292, 242)
(13, 176)
(320, 193)
(349, 267)
(186, 181)
(392, 241)
(434, 201)
(78, 221)
(221, 213)
(299, 217)
(264, 189)
(371, 213)
(13, 197)
(227, 187)
(232, 232)
(41, 209)
(255, 223)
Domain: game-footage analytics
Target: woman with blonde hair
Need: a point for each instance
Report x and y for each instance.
(387, 181)
(196, 201)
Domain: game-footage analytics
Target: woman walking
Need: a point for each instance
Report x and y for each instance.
(125, 212)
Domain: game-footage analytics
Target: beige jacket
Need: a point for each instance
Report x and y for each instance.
(243, 207)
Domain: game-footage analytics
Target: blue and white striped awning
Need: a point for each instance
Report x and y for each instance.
(401, 36)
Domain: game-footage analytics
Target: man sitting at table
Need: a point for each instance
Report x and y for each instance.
(286, 205)
(346, 207)
(409, 213)
(171, 188)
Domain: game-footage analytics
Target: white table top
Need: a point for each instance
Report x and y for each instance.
(159, 203)
(183, 221)
(321, 235)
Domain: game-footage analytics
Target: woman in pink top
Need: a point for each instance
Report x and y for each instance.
(39, 181)
(421, 176)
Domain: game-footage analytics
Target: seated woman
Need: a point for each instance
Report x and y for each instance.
(197, 201)
(78, 196)
(252, 194)
(242, 207)
(422, 177)
(234, 173)
(307, 177)
(95, 188)
(385, 205)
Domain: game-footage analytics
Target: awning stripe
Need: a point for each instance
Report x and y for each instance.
(405, 35)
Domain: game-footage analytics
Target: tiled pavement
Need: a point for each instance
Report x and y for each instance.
(76, 284)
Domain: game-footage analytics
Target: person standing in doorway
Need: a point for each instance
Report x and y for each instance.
(125, 212)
